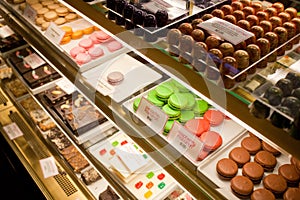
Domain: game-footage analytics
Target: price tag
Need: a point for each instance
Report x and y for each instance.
(184, 141)
(13, 131)
(48, 167)
(54, 33)
(34, 60)
(104, 88)
(66, 85)
(30, 13)
(226, 30)
(6, 31)
(152, 115)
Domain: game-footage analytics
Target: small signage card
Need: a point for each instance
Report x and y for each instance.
(152, 115)
(54, 33)
(48, 167)
(13, 131)
(30, 13)
(5, 31)
(34, 60)
(66, 85)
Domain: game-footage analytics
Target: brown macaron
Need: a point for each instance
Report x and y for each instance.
(266, 160)
(262, 194)
(290, 174)
(241, 186)
(292, 194)
(226, 168)
(269, 148)
(251, 144)
(276, 184)
(296, 163)
(253, 171)
(239, 155)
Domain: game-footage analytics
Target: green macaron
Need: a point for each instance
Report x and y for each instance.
(178, 101)
(186, 115)
(170, 85)
(190, 100)
(179, 86)
(173, 114)
(152, 97)
(136, 103)
(163, 92)
(168, 126)
(200, 107)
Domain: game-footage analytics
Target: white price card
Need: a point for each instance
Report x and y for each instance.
(104, 88)
(184, 141)
(66, 85)
(54, 33)
(34, 61)
(6, 31)
(48, 167)
(152, 115)
(13, 131)
(226, 30)
(30, 13)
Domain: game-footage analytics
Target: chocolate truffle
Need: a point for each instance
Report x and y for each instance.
(264, 46)
(279, 6)
(285, 85)
(254, 53)
(242, 58)
(248, 11)
(162, 17)
(258, 31)
(228, 66)
(271, 11)
(292, 11)
(266, 25)
(198, 35)
(230, 18)
(196, 22)
(257, 6)
(185, 28)
(273, 39)
(212, 42)
(207, 16)
(285, 17)
(259, 109)
(275, 21)
(274, 95)
(227, 49)
(293, 104)
(244, 24)
(238, 14)
(236, 5)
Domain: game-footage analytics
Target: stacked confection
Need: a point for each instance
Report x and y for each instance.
(272, 27)
(251, 166)
(195, 114)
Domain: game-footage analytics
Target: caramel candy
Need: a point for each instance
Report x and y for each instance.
(218, 13)
(239, 15)
(230, 18)
(227, 9)
(227, 49)
(253, 20)
(275, 21)
(266, 25)
(258, 31)
(244, 24)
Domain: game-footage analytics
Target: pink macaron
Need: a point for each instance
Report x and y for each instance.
(114, 46)
(83, 58)
(86, 43)
(95, 52)
(215, 117)
(94, 38)
(76, 50)
(101, 35)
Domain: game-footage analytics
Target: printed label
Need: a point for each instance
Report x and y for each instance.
(13, 131)
(66, 85)
(48, 167)
(34, 60)
(30, 13)
(6, 31)
(54, 33)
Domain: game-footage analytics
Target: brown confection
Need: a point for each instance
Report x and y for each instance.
(254, 52)
(248, 11)
(273, 39)
(185, 28)
(240, 155)
(251, 40)
(290, 174)
(244, 24)
(285, 17)
(195, 23)
(266, 25)
(296, 163)
(279, 6)
(275, 21)
(246, 2)
(282, 34)
(271, 11)
(291, 29)
(269, 148)
(266, 160)
(275, 183)
(236, 5)
(230, 18)
(257, 6)
(251, 144)
(207, 16)
(242, 59)
(241, 186)
(226, 168)
(262, 15)
(228, 65)
(226, 82)
(227, 49)
(173, 36)
(227, 9)
(264, 46)
(253, 171)
(262, 194)
(212, 42)
(218, 13)
(198, 35)
(186, 43)
(258, 31)
(292, 194)
(90, 176)
(252, 19)
(296, 21)
(292, 11)
(238, 14)
(241, 46)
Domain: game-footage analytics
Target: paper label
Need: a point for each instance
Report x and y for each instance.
(6, 31)
(184, 141)
(226, 30)
(13, 131)
(66, 85)
(152, 115)
(30, 13)
(34, 60)
(104, 88)
(48, 167)
(132, 159)
(54, 33)
(296, 66)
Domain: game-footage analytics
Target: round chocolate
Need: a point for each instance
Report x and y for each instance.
(259, 109)
(257, 6)
(218, 13)
(291, 29)
(293, 104)
(285, 85)
(275, 183)
(279, 120)
(198, 35)
(244, 24)
(228, 66)
(271, 11)
(254, 52)
(253, 20)
(239, 15)
(265, 146)
(162, 17)
(274, 95)
(279, 6)
(273, 39)
(262, 15)
(248, 11)
(230, 18)
(264, 46)
(275, 21)
(292, 194)
(227, 49)
(258, 31)
(185, 28)
(212, 42)
(242, 58)
(266, 25)
(246, 2)
(282, 34)
(285, 17)
(292, 11)
(296, 93)
(196, 22)
(227, 9)
(296, 21)
(207, 16)
(236, 5)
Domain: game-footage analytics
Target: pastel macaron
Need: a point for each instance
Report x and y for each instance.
(186, 115)
(86, 43)
(211, 140)
(215, 117)
(114, 46)
(168, 126)
(197, 126)
(96, 52)
(136, 103)
(178, 101)
(82, 58)
(200, 107)
(173, 114)
(153, 99)
(101, 35)
(115, 78)
(76, 50)
(163, 93)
